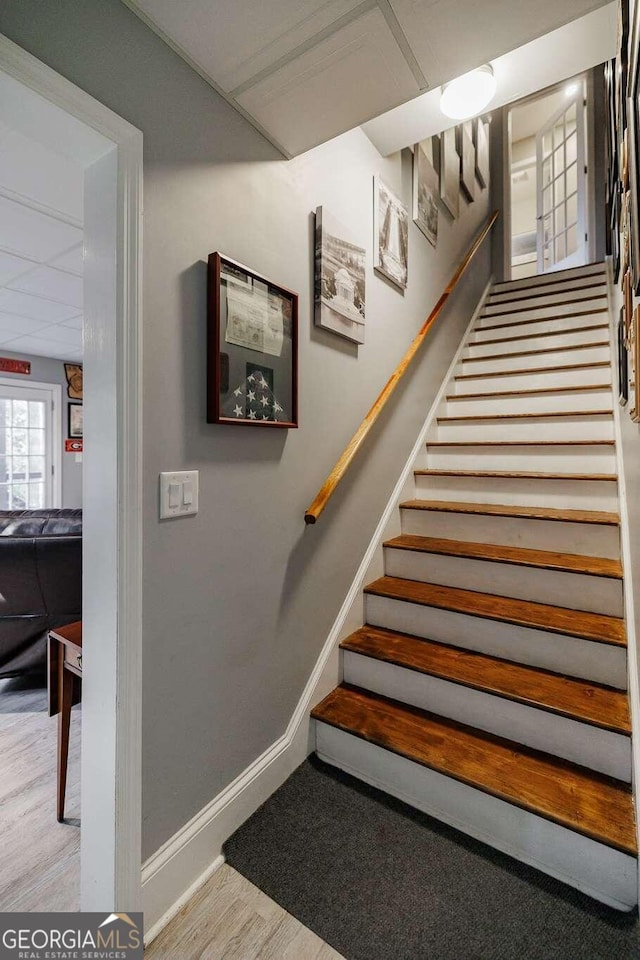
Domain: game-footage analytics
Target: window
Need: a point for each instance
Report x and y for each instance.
(29, 439)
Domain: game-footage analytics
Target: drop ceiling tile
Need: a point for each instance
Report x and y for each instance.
(11, 267)
(29, 169)
(72, 261)
(51, 284)
(25, 305)
(450, 37)
(233, 40)
(61, 334)
(75, 322)
(354, 74)
(42, 348)
(19, 326)
(33, 234)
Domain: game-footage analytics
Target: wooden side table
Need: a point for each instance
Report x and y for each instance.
(65, 690)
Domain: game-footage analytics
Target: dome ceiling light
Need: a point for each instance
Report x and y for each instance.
(468, 95)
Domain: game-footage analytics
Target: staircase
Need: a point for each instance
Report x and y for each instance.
(488, 684)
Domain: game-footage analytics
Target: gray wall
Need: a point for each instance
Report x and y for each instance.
(239, 600)
(46, 370)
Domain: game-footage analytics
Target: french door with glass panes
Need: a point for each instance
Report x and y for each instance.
(29, 434)
(561, 189)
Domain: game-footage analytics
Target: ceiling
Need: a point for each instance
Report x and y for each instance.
(41, 261)
(304, 71)
(550, 59)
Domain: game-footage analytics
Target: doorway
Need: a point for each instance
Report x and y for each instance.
(548, 174)
(45, 107)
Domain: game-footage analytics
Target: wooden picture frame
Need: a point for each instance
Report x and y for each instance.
(252, 347)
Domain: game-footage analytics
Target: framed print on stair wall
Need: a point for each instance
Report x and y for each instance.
(425, 192)
(467, 161)
(390, 234)
(481, 141)
(252, 347)
(339, 279)
(450, 172)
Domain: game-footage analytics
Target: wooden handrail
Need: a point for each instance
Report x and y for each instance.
(338, 472)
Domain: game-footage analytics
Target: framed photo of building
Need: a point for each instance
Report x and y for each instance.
(450, 172)
(425, 193)
(481, 141)
(468, 161)
(623, 361)
(390, 234)
(252, 347)
(339, 279)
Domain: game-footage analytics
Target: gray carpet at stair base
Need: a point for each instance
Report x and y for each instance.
(380, 881)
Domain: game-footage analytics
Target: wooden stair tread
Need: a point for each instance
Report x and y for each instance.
(535, 353)
(521, 443)
(543, 306)
(507, 510)
(536, 370)
(516, 475)
(524, 613)
(521, 556)
(530, 393)
(561, 316)
(528, 416)
(579, 700)
(589, 803)
(534, 336)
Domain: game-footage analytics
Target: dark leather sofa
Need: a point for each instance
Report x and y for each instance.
(40, 583)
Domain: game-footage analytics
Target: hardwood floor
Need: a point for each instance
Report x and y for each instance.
(230, 919)
(40, 864)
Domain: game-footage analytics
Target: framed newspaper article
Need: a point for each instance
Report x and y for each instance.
(252, 348)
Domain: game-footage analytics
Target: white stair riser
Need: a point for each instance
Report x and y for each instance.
(458, 406)
(598, 870)
(515, 329)
(559, 358)
(533, 428)
(588, 539)
(564, 494)
(506, 316)
(549, 459)
(563, 278)
(526, 342)
(574, 590)
(573, 656)
(520, 300)
(533, 380)
(592, 747)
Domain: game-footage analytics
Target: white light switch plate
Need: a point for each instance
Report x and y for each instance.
(178, 494)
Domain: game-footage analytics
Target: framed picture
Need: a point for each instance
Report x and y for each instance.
(634, 350)
(252, 348)
(339, 279)
(73, 373)
(467, 161)
(615, 233)
(74, 420)
(481, 141)
(633, 154)
(623, 362)
(450, 172)
(390, 234)
(425, 192)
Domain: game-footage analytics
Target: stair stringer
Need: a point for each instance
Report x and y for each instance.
(633, 664)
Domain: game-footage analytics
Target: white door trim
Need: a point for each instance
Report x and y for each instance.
(111, 778)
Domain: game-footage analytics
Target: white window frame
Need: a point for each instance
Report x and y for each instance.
(54, 439)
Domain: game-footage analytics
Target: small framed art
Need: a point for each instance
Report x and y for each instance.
(252, 347)
(425, 192)
(390, 234)
(74, 420)
(450, 172)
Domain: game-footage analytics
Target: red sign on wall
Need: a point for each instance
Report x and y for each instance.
(73, 446)
(8, 365)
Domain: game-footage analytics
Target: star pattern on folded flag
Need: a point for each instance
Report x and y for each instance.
(253, 400)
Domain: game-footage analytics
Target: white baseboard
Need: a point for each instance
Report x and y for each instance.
(176, 871)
